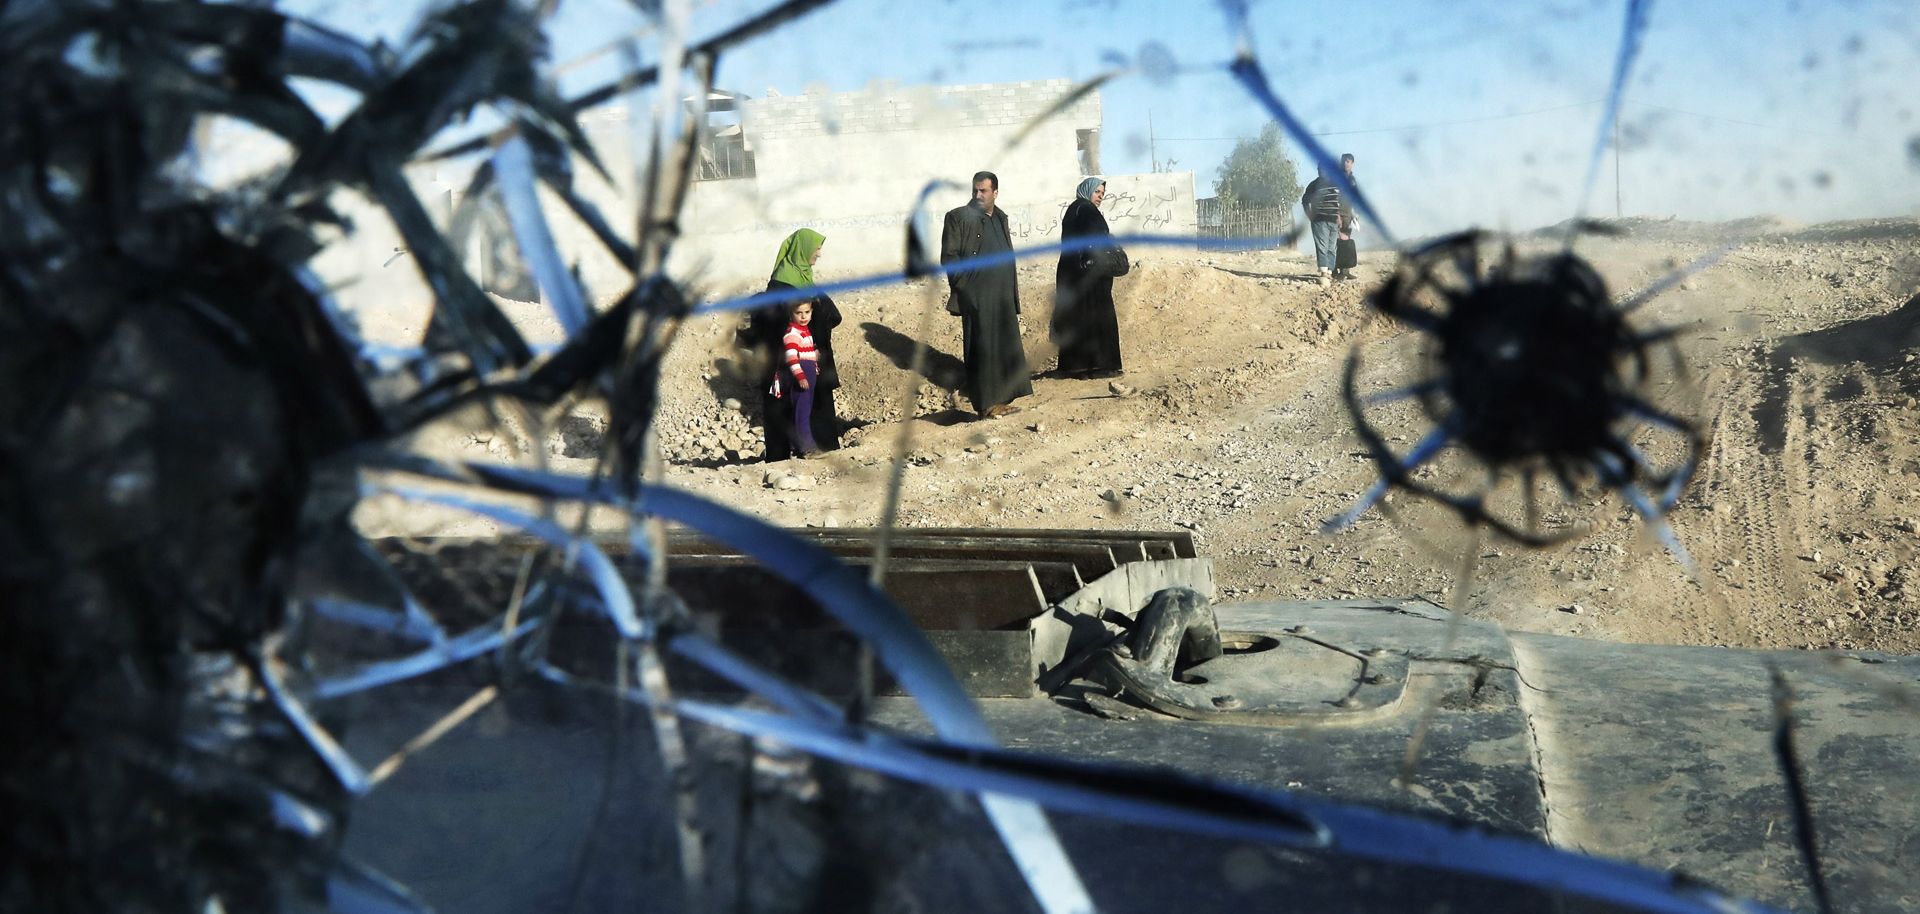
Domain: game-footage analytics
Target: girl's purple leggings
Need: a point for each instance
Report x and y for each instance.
(803, 409)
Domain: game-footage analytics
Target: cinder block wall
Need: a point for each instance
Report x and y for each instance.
(849, 165)
(852, 165)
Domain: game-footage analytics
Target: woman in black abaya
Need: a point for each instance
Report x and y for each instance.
(793, 269)
(1084, 325)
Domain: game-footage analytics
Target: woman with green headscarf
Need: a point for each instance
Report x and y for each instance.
(793, 269)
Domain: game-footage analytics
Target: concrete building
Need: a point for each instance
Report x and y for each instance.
(851, 166)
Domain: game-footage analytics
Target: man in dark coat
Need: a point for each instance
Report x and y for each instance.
(987, 300)
(1084, 326)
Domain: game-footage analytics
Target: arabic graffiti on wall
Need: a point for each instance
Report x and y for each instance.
(1157, 203)
(1135, 204)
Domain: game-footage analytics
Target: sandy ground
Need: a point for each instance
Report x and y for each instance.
(1800, 346)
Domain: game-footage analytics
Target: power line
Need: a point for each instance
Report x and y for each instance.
(1711, 117)
(1486, 118)
(1466, 120)
(1421, 126)
(1498, 118)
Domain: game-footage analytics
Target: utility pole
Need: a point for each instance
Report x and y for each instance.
(1155, 163)
(1616, 166)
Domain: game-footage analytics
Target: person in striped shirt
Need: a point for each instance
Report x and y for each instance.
(804, 362)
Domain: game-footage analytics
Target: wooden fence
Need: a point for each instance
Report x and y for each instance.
(1247, 223)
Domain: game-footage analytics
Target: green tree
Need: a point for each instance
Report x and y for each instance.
(1259, 174)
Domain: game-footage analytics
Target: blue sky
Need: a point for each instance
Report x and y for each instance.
(1460, 113)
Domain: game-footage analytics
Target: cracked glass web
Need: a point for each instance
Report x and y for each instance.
(547, 334)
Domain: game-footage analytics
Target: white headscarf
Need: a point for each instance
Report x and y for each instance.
(1088, 186)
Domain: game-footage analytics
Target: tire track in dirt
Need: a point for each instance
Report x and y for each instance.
(1702, 611)
(1790, 500)
(1768, 495)
(1751, 488)
(1713, 470)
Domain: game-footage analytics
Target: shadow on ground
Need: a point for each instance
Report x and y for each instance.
(1308, 278)
(737, 379)
(948, 417)
(942, 370)
(1880, 344)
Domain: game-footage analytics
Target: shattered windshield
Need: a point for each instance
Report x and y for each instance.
(584, 455)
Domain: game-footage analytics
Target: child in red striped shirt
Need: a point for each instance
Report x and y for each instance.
(804, 362)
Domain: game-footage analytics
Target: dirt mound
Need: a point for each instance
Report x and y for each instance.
(1860, 230)
(1175, 316)
(1882, 343)
(1802, 510)
(1802, 518)
(1674, 229)
(1765, 229)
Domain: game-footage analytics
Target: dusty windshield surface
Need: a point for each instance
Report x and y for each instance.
(1594, 319)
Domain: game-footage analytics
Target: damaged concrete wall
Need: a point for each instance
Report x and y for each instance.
(1158, 203)
(1161, 203)
(850, 166)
